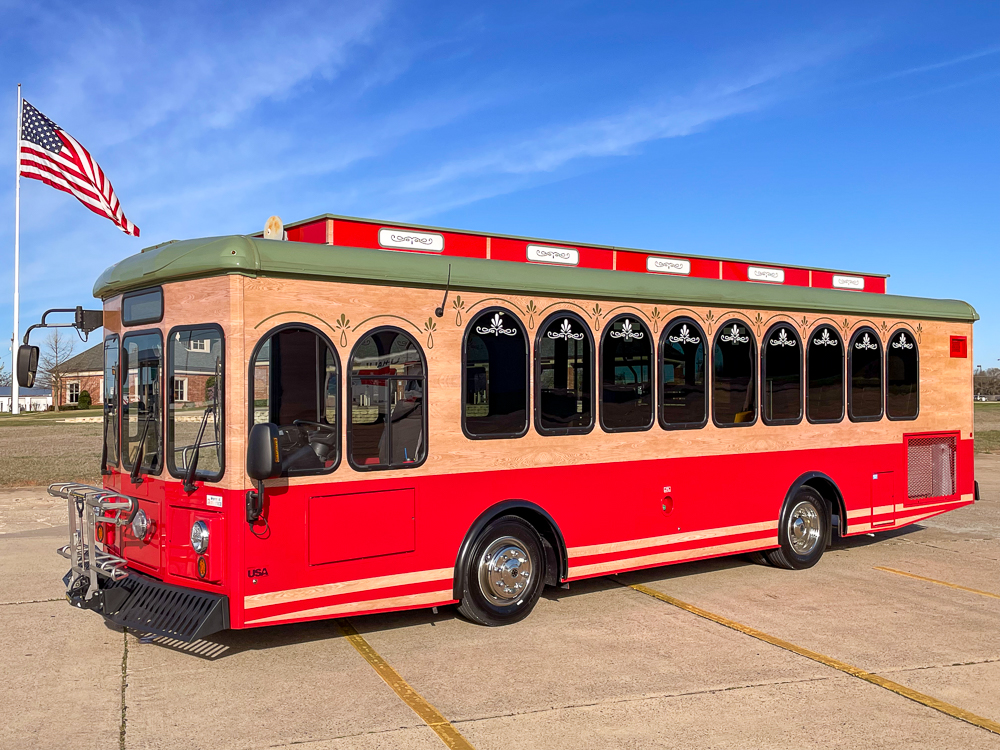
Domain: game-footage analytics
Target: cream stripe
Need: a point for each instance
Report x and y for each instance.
(969, 498)
(659, 541)
(882, 509)
(666, 557)
(861, 512)
(427, 599)
(345, 587)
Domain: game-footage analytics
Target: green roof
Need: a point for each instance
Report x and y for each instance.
(213, 256)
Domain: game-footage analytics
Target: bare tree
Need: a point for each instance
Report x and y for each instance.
(5, 377)
(55, 351)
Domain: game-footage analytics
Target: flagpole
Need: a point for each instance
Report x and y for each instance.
(15, 406)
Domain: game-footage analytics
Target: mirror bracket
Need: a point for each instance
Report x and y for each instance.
(255, 502)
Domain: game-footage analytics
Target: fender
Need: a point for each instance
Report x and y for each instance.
(838, 508)
(503, 508)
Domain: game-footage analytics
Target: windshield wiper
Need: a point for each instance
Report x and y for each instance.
(140, 450)
(189, 485)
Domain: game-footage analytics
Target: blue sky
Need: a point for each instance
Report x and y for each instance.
(863, 136)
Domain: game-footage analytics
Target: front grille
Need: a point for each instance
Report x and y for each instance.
(158, 608)
(930, 466)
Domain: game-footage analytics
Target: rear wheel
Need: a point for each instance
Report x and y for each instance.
(505, 573)
(802, 531)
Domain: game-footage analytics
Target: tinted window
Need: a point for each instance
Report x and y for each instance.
(865, 386)
(626, 376)
(825, 365)
(782, 365)
(734, 360)
(194, 403)
(142, 386)
(682, 376)
(902, 377)
(387, 424)
(296, 385)
(496, 376)
(142, 307)
(110, 398)
(564, 376)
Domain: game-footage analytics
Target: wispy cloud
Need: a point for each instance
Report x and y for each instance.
(988, 52)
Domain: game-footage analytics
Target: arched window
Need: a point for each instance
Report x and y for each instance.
(902, 377)
(564, 376)
(626, 376)
(781, 363)
(825, 376)
(495, 376)
(387, 426)
(683, 399)
(295, 384)
(734, 372)
(864, 389)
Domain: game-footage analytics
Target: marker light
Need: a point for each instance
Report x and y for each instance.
(140, 525)
(199, 536)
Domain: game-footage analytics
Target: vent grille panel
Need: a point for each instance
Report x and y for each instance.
(930, 466)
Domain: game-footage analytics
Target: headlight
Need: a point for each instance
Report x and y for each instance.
(140, 525)
(199, 536)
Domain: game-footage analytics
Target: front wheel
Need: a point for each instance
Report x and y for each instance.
(505, 573)
(802, 531)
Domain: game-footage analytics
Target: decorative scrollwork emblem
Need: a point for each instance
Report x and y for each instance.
(496, 327)
(783, 339)
(902, 343)
(565, 332)
(865, 343)
(825, 340)
(685, 337)
(733, 337)
(626, 332)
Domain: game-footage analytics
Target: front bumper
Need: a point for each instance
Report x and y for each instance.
(102, 582)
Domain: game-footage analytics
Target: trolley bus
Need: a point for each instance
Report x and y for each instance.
(347, 416)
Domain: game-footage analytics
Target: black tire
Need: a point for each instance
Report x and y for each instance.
(497, 594)
(758, 558)
(803, 531)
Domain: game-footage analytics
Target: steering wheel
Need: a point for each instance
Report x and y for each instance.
(324, 434)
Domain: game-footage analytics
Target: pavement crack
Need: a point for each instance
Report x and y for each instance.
(33, 601)
(121, 727)
(949, 549)
(974, 662)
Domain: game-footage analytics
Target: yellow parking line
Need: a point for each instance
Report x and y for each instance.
(939, 583)
(428, 714)
(861, 674)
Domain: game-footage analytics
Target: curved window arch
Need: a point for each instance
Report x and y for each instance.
(781, 375)
(864, 384)
(295, 384)
(902, 376)
(564, 376)
(626, 375)
(734, 375)
(683, 384)
(387, 424)
(495, 376)
(825, 375)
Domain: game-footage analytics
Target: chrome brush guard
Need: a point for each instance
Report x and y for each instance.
(88, 505)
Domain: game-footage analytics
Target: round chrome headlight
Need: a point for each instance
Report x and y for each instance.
(199, 536)
(140, 525)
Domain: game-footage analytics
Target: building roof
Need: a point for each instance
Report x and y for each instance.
(250, 256)
(23, 392)
(89, 360)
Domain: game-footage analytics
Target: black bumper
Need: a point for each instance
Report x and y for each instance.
(147, 605)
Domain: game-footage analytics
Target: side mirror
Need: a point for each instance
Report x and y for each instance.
(27, 365)
(263, 462)
(263, 453)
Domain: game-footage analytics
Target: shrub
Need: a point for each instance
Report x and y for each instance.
(84, 402)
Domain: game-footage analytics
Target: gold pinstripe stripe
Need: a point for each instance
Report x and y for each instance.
(939, 583)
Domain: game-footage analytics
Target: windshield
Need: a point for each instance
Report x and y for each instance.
(142, 370)
(111, 400)
(194, 403)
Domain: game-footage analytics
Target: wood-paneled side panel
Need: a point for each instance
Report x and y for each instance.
(345, 312)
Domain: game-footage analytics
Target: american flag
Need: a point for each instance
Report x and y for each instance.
(50, 154)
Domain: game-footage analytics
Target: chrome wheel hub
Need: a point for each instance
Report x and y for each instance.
(804, 528)
(505, 570)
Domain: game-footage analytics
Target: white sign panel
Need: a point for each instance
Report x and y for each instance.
(659, 264)
(565, 256)
(848, 282)
(407, 240)
(213, 501)
(774, 275)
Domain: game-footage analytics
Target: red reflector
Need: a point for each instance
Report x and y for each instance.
(100, 533)
(959, 347)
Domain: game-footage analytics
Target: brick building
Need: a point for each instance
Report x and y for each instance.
(83, 372)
